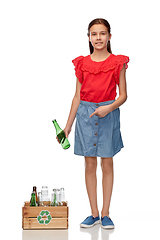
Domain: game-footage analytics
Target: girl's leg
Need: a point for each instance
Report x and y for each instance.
(107, 183)
(91, 183)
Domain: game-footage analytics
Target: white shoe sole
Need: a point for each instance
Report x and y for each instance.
(89, 226)
(107, 227)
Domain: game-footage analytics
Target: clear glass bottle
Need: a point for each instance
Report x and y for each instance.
(52, 198)
(45, 196)
(56, 198)
(40, 202)
(62, 194)
(44, 190)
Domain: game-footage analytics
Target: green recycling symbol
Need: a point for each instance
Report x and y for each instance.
(41, 221)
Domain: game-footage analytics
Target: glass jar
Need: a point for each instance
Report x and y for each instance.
(44, 190)
(45, 196)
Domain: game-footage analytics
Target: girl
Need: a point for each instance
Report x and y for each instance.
(97, 132)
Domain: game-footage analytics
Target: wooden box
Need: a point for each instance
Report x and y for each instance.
(45, 217)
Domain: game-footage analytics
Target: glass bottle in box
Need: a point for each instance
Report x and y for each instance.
(35, 190)
(62, 194)
(33, 200)
(55, 199)
(45, 197)
(40, 202)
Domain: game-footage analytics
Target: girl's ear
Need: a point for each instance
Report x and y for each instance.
(89, 37)
(110, 37)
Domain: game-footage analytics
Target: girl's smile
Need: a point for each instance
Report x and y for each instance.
(99, 36)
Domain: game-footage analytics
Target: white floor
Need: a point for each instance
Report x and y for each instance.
(138, 226)
(33, 35)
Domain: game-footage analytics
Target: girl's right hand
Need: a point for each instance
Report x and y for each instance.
(66, 131)
(57, 139)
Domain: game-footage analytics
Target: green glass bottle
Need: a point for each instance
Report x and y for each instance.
(61, 135)
(33, 199)
(55, 203)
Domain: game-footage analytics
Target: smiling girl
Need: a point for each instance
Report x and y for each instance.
(96, 109)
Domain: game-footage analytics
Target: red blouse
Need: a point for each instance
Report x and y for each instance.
(99, 79)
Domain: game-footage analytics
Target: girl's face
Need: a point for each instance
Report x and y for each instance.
(99, 36)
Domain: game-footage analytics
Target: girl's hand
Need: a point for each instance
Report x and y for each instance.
(57, 139)
(66, 131)
(102, 111)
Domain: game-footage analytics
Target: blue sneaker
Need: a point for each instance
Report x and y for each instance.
(90, 222)
(107, 223)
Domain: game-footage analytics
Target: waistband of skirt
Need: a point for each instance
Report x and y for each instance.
(92, 104)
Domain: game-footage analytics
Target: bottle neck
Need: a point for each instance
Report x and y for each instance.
(57, 127)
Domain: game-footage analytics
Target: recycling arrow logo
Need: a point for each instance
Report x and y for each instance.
(42, 221)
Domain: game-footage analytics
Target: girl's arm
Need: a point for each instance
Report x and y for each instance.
(122, 90)
(104, 110)
(74, 108)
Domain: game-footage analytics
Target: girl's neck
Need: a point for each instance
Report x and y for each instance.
(99, 55)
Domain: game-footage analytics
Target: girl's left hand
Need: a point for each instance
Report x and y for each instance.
(102, 111)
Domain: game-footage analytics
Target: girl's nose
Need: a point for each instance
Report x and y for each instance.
(98, 36)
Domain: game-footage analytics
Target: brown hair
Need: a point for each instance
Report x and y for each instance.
(105, 23)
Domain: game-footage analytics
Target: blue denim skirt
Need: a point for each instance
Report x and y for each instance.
(95, 136)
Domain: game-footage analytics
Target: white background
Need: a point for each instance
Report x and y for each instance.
(38, 41)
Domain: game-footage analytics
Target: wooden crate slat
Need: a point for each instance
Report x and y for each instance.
(61, 211)
(55, 223)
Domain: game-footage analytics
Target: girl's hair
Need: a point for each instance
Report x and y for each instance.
(105, 23)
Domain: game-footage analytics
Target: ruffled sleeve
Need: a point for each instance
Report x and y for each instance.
(120, 60)
(78, 62)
